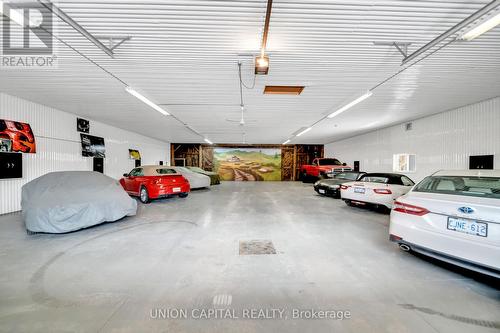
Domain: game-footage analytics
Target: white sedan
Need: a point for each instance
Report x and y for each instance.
(376, 189)
(196, 180)
(453, 216)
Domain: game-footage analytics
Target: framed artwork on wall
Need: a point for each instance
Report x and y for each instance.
(93, 146)
(16, 136)
(82, 125)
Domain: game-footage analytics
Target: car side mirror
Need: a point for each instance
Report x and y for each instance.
(344, 164)
(125, 175)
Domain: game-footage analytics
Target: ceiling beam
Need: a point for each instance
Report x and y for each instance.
(266, 27)
(72, 23)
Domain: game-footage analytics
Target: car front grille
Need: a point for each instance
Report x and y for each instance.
(339, 170)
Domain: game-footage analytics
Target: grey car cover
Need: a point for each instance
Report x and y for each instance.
(67, 201)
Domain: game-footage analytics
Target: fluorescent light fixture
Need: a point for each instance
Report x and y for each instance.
(482, 28)
(146, 101)
(350, 105)
(305, 131)
(208, 141)
(287, 141)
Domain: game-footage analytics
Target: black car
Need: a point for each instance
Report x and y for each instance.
(331, 186)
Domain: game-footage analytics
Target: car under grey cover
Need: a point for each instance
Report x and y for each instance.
(66, 201)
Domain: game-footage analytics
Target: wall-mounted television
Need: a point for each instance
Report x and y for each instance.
(11, 165)
(481, 162)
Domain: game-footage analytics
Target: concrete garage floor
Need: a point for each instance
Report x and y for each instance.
(184, 254)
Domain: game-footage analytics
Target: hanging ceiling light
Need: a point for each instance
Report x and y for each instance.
(262, 61)
(208, 141)
(262, 65)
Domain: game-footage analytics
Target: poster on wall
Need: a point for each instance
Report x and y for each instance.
(16, 137)
(248, 164)
(92, 146)
(134, 154)
(82, 125)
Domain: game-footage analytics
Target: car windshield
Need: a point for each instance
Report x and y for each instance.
(329, 161)
(346, 175)
(483, 187)
(165, 171)
(375, 179)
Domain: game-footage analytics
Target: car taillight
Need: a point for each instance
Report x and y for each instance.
(382, 191)
(409, 209)
(344, 187)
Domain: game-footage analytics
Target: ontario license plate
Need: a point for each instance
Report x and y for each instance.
(321, 191)
(466, 226)
(176, 189)
(359, 190)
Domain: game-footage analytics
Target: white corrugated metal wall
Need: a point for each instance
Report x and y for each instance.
(59, 148)
(442, 141)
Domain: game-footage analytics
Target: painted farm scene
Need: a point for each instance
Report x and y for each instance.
(248, 164)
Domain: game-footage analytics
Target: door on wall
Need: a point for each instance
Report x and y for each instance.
(137, 163)
(99, 164)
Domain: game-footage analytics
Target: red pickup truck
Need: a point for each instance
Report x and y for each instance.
(322, 168)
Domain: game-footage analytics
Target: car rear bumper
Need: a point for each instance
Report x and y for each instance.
(375, 201)
(464, 252)
(330, 192)
(168, 191)
(471, 265)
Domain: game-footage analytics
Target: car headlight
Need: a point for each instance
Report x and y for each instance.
(317, 183)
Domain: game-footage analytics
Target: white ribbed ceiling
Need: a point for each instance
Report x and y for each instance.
(183, 55)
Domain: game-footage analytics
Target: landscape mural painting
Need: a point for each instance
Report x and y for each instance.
(248, 164)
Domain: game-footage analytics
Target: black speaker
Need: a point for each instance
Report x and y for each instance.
(356, 165)
(137, 163)
(99, 164)
(11, 165)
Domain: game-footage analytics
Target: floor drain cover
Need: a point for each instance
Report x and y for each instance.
(257, 247)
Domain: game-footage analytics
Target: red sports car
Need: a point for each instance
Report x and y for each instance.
(155, 181)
